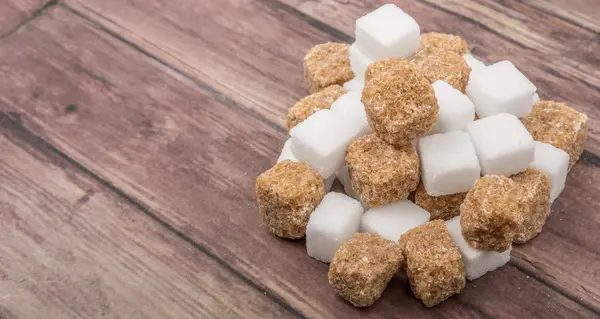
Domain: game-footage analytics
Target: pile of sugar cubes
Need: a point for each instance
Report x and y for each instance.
(445, 162)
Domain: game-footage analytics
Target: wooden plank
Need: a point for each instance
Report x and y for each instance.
(71, 248)
(583, 13)
(192, 160)
(15, 12)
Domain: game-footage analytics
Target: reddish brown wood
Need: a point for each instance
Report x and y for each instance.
(71, 248)
(190, 155)
(583, 13)
(15, 12)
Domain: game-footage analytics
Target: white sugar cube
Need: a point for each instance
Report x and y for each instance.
(343, 175)
(500, 88)
(321, 141)
(554, 162)
(387, 32)
(456, 110)
(473, 62)
(349, 109)
(503, 144)
(536, 98)
(477, 262)
(392, 220)
(449, 164)
(354, 85)
(286, 154)
(358, 64)
(334, 221)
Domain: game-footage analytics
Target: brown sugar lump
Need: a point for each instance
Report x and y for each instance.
(534, 200)
(362, 267)
(442, 207)
(442, 65)
(490, 215)
(287, 194)
(560, 126)
(400, 105)
(385, 65)
(444, 42)
(327, 64)
(310, 104)
(433, 263)
(382, 173)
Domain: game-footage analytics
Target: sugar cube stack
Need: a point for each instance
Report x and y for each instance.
(408, 123)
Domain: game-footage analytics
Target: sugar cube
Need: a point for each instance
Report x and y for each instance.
(385, 65)
(502, 143)
(456, 110)
(286, 154)
(287, 194)
(387, 32)
(444, 42)
(343, 175)
(359, 63)
(310, 104)
(559, 125)
(449, 164)
(325, 65)
(554, 162)
(354, 85)
(433, 263)
(440, 207)
(477, 262)
(536, 98)
(362, 267)
(501, 88)
(474, 63)
(392, 220)
(534, 203)
(333, 222)
(382, 173)
(350, 110)
(400, 105)
(447, 66)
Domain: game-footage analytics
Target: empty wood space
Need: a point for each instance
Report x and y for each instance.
(132, 133)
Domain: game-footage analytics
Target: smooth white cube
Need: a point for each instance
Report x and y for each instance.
(333, 222)
(349, 109)
(343, 175)
(387, 32)
(286, 154)
(358, 63)
(354, 85)
(477, 262)
(536, 98)
(449, 163)
(503, 144)
(500, 88)
(554, 162)
(455, 108)
(473, 62)
(392, 220)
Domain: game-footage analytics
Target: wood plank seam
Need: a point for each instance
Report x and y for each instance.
(564, 19)
(36, 14)
(14, 119)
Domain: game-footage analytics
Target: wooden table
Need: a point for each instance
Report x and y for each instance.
(132, 132)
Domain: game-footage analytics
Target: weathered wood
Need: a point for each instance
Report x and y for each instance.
(15, 12)
(71, 248)
(191, 158)
(583, 13)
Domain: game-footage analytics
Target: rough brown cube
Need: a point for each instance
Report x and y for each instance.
(443, 65)
(534, 201)
(433, 263)
(400, 105)
(382, 173)
(287, 194)
(385, 65)
(490, 216)
(559, 125)
(444, 42)
(362, 267)
(440, 207)
(312, 103)
(327, 64)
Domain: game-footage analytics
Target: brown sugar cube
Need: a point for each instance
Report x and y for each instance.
(534, 201)
(442, 207)
(489, 215)
(444, 42)
(327, 64)
(312, 103)
(382, 173)
(559, 125)
(443, 65)
(287, 194)
(433, 263)
(400, 105)
(385, 65)
(362, 267)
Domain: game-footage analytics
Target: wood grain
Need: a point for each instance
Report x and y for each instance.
(583, 13)
(166, 144)
(71, 248)
(15, 12)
